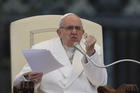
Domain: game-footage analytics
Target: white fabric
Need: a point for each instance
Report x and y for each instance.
(70, 52)
(72, 78)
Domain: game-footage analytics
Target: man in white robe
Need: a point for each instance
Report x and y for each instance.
(78, 75)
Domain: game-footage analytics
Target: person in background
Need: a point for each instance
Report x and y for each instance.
(78, 75)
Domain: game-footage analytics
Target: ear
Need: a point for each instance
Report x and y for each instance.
(58, 32)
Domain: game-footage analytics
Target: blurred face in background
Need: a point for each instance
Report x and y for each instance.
(71, 30)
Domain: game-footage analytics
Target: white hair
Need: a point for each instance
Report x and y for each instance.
(64, 16)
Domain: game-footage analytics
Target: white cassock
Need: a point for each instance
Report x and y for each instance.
(78, 77)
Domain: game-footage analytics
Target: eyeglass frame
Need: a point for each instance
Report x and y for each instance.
(70, 28)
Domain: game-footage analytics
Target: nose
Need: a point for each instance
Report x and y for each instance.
(74, 31)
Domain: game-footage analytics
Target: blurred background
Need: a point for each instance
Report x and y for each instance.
(121, 32)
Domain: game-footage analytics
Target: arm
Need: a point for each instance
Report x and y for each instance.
(20, 77)
(26, 74)
(97, 76)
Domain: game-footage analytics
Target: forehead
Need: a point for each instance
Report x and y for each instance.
(71, 20)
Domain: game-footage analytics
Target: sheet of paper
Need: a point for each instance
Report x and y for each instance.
(41, 60)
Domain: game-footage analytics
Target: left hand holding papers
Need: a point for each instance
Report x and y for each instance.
(41, 60)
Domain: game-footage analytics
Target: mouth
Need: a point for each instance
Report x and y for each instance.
(74, 38)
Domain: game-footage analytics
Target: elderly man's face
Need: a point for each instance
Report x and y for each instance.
(71, 30)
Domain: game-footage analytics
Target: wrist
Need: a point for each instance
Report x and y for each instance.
(26, 75)
(90, 53)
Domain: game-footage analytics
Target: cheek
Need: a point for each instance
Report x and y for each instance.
(65, 36)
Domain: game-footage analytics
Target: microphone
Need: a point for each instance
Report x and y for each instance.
(78, 47)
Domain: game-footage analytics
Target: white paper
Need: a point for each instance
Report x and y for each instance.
(41, 60)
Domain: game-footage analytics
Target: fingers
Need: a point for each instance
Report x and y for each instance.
(90, 40)
(90, 43)
(35, 76)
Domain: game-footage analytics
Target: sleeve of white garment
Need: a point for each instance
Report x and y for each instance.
(19, 77)
(97, 76)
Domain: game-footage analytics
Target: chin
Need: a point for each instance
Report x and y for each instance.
(74, 41)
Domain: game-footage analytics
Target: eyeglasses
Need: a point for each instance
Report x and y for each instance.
(70, 28)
